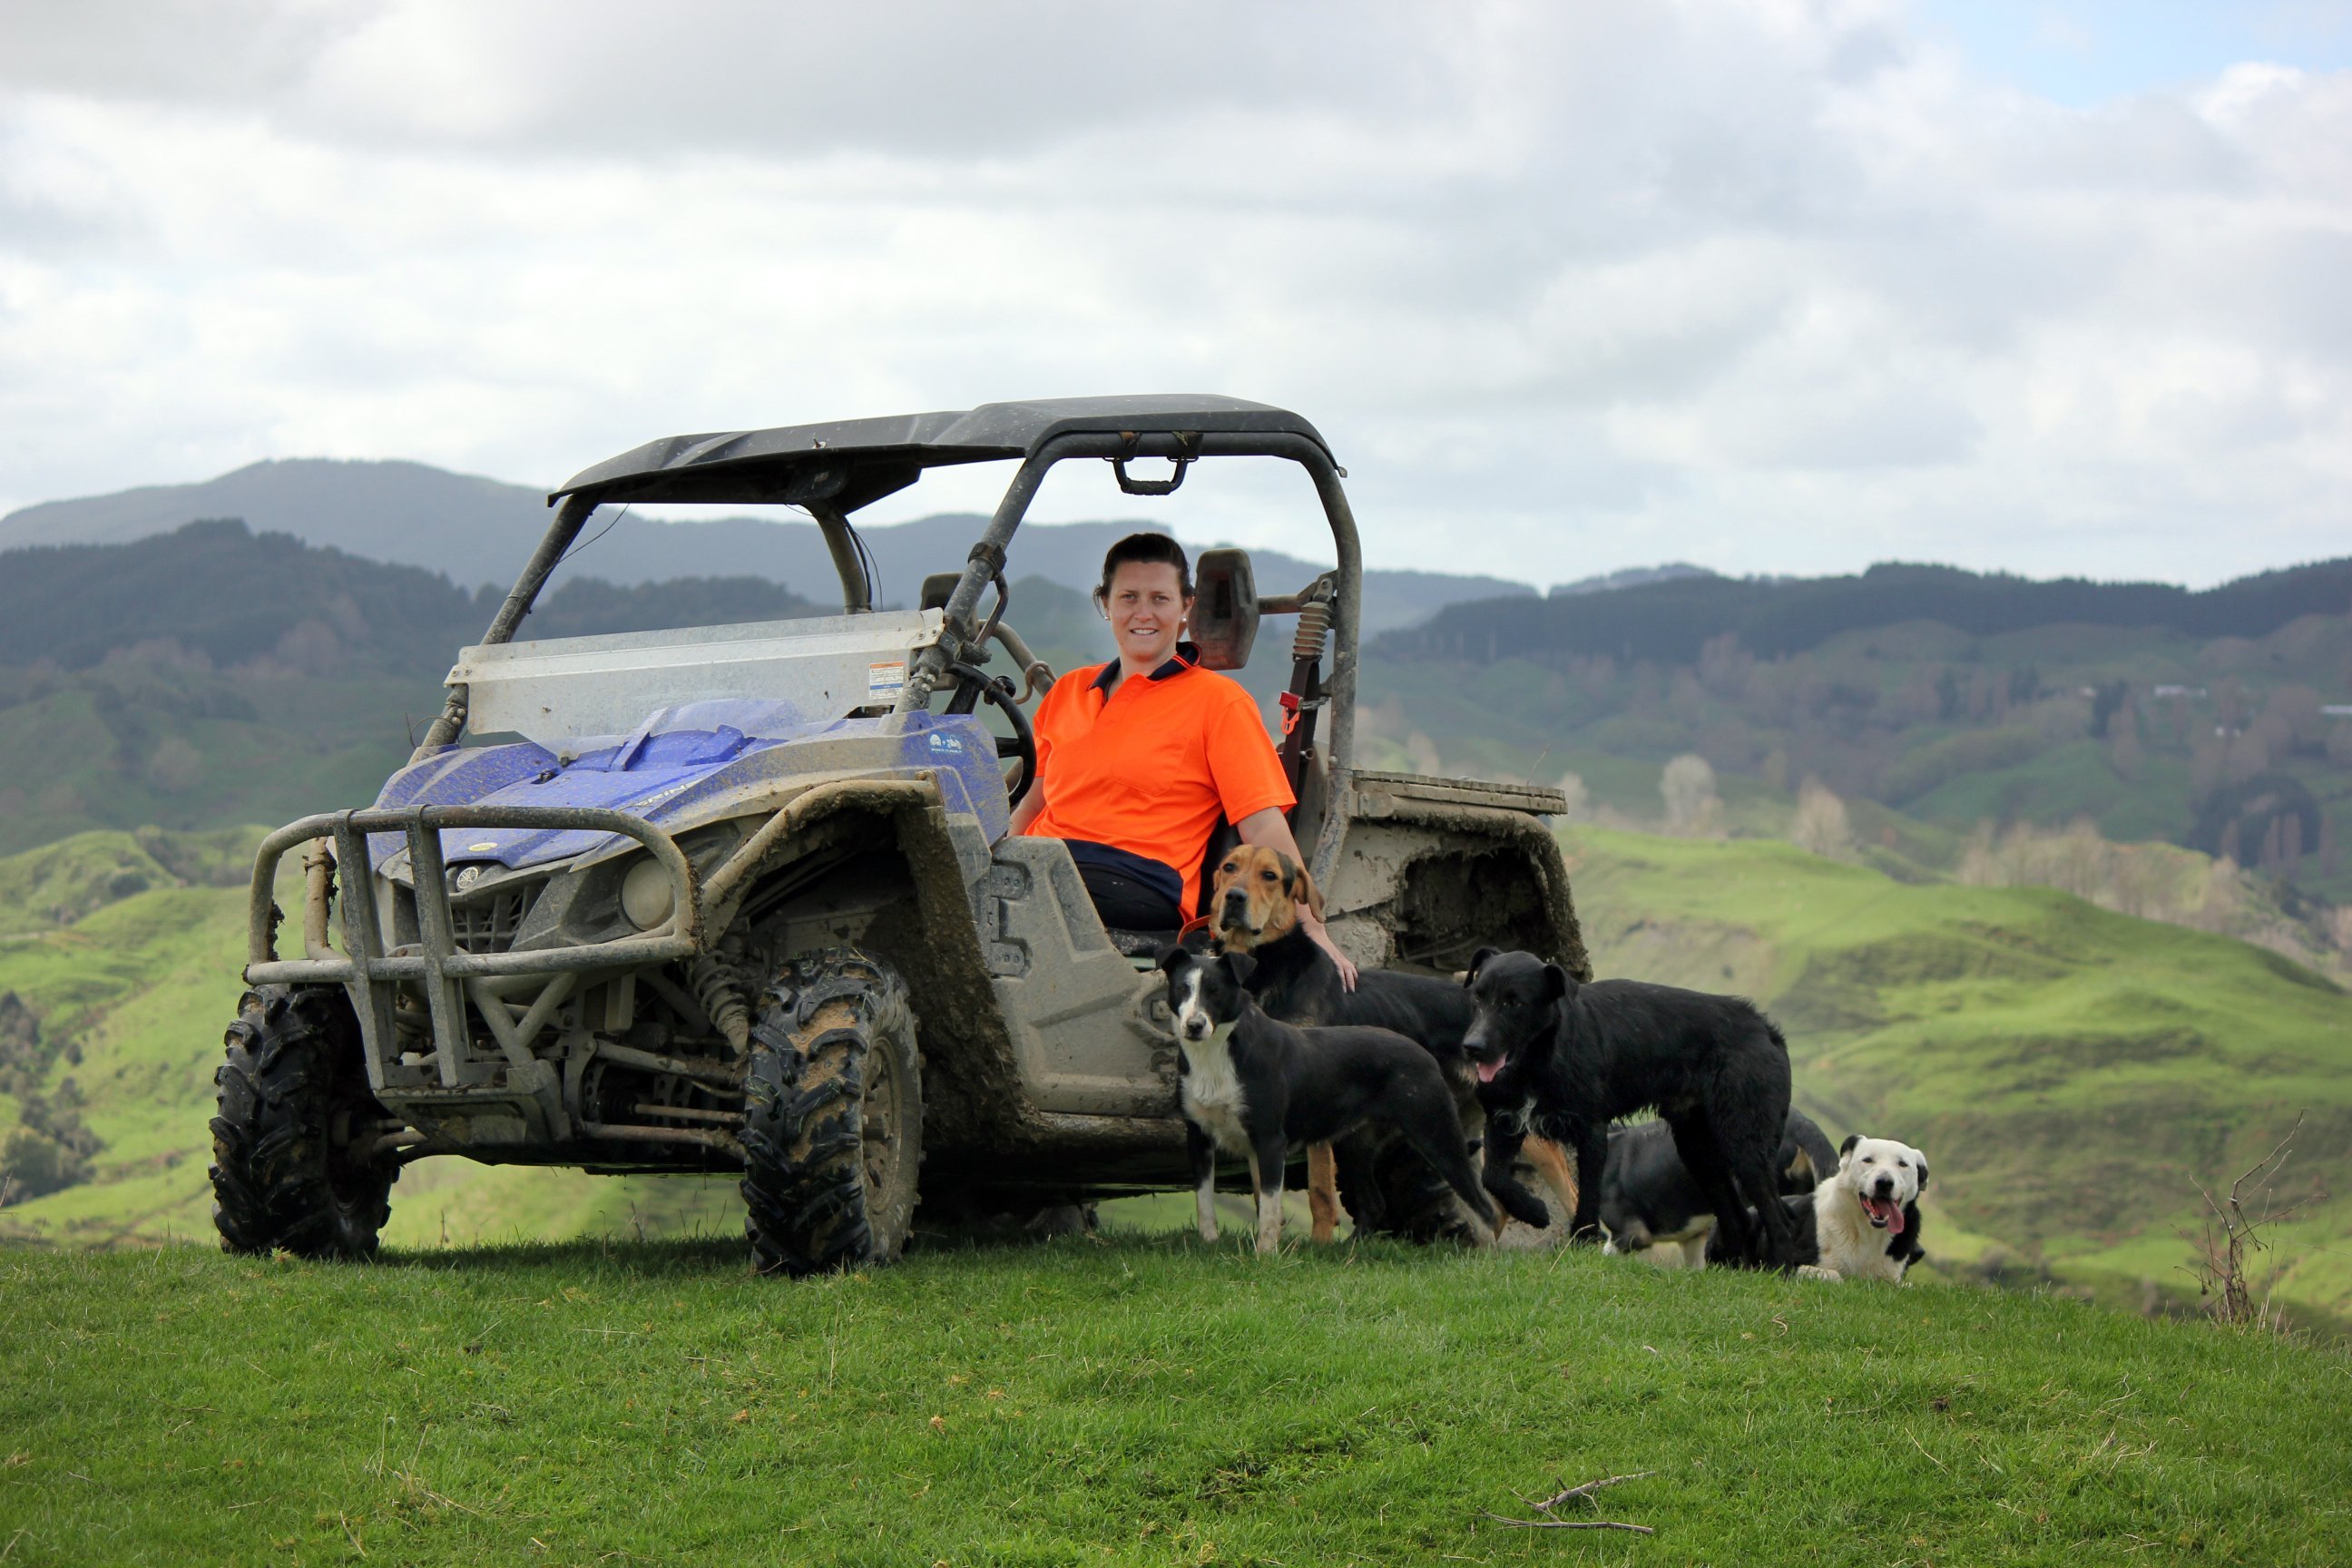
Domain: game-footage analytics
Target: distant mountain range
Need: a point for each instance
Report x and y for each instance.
(476, 530)
(1668, 620)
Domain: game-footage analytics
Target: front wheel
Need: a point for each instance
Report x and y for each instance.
(832, 1132)
(295, 1161)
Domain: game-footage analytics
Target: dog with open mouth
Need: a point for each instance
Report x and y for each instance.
(1254, 899)
(1561, 1059)
(1254, 1088)
(1863, 1222)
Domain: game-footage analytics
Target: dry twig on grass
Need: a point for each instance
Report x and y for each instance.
(1587, 1489)
(1568, 1524)
(1576, 1494)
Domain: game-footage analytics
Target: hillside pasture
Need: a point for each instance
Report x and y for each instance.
(1133, 1400)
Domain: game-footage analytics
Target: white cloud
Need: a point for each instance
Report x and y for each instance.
(1777, 286)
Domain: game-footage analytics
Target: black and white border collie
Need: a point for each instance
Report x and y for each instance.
(1257, 1088)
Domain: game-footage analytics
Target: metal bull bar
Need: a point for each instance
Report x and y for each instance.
(433, 962)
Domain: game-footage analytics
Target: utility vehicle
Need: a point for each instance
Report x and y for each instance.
(742, 899)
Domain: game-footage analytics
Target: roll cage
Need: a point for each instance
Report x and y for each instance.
(833, 469)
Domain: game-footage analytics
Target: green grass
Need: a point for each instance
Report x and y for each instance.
(1140, 1400)
(2071, 1073)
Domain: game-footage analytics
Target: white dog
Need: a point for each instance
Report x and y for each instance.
(1865, 1218)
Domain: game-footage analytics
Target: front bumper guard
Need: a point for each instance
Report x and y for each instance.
(434, 963)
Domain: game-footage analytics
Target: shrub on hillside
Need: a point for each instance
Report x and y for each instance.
(51, 1150)
(33, 1164)
(1821, 825)
(1688, 788)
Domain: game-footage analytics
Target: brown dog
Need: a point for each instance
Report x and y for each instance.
(1254, 898)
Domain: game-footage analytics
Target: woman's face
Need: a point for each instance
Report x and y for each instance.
(1147, 606)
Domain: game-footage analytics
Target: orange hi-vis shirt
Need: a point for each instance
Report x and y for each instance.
(1149, 765)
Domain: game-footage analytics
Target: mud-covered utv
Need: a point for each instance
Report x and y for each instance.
(742, 897)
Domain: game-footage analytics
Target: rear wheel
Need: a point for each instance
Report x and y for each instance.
(833, 1117)
(294, 1163)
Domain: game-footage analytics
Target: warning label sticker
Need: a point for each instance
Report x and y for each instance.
(886, 681)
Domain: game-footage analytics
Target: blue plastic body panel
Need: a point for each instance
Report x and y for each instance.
(675, 775)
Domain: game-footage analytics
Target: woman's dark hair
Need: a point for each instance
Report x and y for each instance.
(1146, 549)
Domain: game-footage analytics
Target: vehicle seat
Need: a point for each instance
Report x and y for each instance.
(1150, 943)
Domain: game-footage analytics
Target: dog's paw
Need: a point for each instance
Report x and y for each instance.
(1520, 1204)
(1815, 1272)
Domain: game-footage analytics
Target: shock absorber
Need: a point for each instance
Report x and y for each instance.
(718, 989)
(1314, 626)
(1305, 697)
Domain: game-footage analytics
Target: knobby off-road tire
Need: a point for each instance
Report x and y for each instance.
(833, 1133)
(297, 1119)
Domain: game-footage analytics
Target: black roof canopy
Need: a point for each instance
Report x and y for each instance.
(851, 463)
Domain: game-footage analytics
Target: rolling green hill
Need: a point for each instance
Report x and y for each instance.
(2069, 1071)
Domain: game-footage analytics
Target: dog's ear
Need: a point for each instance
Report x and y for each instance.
(1240, 965)
(1300, 884)
(1845, 1150)
(1477, 962)
(1923, 1170)
(1174, 956)
(1557, 982)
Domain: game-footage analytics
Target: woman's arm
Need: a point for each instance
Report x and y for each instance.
(1031, 804)
(1270, 829)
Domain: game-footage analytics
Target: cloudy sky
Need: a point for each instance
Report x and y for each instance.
(1773, 286)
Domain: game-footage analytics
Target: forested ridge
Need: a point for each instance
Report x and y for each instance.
(1670, 622)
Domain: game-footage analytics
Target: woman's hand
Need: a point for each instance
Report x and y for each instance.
(1321, 937)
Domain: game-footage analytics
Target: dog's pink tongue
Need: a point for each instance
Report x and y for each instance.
(1888, 1211)
(1486, 1071)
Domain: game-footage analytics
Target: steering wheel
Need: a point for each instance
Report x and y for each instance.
(972, 685)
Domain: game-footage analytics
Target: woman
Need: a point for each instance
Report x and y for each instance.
(1136, 759)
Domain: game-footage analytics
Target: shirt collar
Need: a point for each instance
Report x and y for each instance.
(1187, 656)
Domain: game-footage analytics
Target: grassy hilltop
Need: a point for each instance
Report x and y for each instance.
(2069, 1071)
(1137, 1400)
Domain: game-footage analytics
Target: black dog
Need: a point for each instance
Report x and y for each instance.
(1254, 1088)
(1648, 1198)
(1563, 1061)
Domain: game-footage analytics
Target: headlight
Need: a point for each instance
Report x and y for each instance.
(648, 895)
